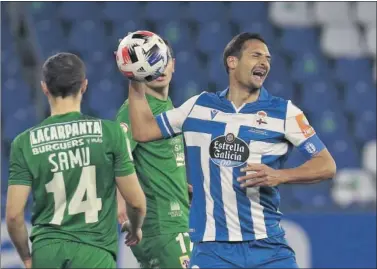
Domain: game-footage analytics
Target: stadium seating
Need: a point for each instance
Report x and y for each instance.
(366, 13)
(369, 157)
(342, 41)
(119, 12)
(323, 58)
(248, 12)
(291, 14)
(354, 186)
(332, 13)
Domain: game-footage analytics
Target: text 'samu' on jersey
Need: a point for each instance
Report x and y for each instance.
(220, 140)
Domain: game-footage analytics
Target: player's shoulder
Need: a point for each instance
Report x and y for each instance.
(203, 97)
(24, 136)
(286, 105)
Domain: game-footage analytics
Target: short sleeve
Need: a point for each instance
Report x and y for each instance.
(300, 133)
(19, 173)
(123, 157)
(124, 119)
(170, 122)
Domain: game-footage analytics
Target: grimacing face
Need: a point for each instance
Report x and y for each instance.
(165, 78)
(252, 68)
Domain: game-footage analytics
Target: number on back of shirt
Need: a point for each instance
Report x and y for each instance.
(77, 205)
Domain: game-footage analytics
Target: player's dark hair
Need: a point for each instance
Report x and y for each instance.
(64, 74)
(236, 46)
(169, 47)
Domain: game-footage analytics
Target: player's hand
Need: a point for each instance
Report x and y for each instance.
(189, 188)
(27, 263)
(131, 238)
(262, 175)
(190, 192)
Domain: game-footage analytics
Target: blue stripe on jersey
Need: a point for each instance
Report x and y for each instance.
(213, 101)
(202, 126)
(243, 202)
(216, 191)
(198, 216)
(250, 133)
(243, 205)
(163, 127)
(275, 108)
(311, 146)
(168, 124)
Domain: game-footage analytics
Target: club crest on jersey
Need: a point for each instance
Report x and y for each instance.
(261, 118)
(228, 150)
(214, 113)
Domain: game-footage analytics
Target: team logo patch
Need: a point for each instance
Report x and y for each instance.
(124, 127)
(214, 113)
(310, 148)
(228, 150)
(261, 118)
(185, 261)
(304, 125)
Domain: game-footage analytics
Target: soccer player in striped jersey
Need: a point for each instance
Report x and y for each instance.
(237, 141)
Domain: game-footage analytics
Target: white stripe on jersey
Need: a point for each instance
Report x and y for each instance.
(203, 140)
(166, 127)
(265, 148)
(229, 195)
(204, 113)
(256, 208)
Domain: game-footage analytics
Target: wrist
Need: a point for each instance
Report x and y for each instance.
(287, 175)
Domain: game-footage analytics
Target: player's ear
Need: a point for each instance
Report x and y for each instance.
(44, 88)
(232, 62)
(84, 86)
(173, 64)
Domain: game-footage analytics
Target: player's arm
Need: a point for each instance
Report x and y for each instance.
(127, 181)
(144, 124)
(319, 166)
(18, 192)
(123, 119)
(146, 127)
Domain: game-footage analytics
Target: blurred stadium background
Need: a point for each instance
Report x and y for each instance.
(324, 59)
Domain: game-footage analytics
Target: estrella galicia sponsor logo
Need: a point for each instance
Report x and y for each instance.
(228, 150)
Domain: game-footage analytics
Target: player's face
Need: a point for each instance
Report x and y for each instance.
(254, 64)
(164, 80)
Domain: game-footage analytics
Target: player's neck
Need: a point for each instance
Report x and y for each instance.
(240, 95)
(61, 106)
(161, 94)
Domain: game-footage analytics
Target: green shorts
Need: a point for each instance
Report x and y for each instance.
(164, 251)
(69, 254)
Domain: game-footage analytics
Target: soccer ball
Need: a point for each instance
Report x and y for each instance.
(142, 56)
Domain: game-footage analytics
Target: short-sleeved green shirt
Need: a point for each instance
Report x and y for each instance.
(160, 167)
(71, 161)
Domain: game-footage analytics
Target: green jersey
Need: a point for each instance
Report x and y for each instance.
(71, 162)
(160, 166)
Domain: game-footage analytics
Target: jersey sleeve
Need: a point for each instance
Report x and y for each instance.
(124, 119)
(170, 122)
(19, 173)
(123, 156)
(300, 133)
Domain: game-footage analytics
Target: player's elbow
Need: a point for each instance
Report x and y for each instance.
(14, 217)
(331, 168)
(139, 136)
(328, 168)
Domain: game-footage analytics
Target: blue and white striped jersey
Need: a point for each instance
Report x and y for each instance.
(221, 139)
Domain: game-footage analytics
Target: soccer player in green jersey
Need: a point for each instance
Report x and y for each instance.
(72, 164)
(160, 166)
